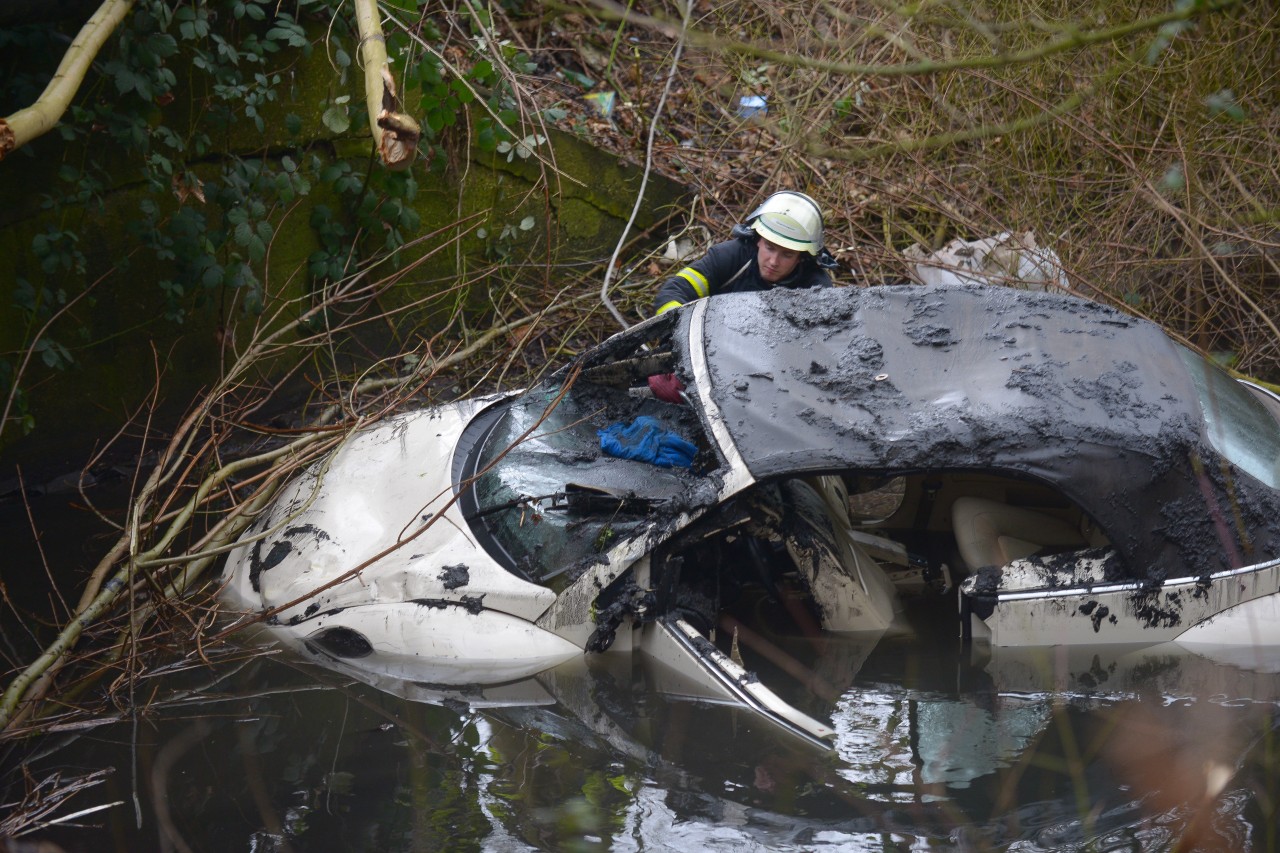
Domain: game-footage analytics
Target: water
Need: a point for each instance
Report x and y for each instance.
(938, 747)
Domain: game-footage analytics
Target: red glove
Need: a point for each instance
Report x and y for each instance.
(666, 387)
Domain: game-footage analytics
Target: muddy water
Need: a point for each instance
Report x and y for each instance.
(938, 747)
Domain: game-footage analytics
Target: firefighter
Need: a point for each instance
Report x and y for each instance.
(780, 245)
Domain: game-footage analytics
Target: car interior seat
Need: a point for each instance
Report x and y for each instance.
(992, 533)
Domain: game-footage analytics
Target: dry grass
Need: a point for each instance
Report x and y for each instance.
(1151, 172)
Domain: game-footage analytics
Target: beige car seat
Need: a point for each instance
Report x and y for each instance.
(991, 533)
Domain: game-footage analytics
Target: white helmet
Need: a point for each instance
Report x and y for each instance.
(790, 219)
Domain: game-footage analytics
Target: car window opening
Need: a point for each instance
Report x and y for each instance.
(546, 500)
(761, 555)
(1240, 420)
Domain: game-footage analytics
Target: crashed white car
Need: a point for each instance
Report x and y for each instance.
(1067, 473)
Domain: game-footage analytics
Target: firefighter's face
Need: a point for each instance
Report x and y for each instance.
(776, 262)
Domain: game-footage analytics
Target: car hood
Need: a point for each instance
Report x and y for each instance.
(383, 504)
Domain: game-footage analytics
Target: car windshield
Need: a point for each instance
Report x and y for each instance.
(1238, 424)
(546, 500)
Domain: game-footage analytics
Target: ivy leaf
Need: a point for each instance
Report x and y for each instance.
(336, 119)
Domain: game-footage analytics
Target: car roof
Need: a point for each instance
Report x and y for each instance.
(907, 378)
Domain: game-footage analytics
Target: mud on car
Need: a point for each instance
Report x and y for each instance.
(1057, 471)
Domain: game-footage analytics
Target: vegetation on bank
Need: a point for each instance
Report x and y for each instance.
(1138, 140)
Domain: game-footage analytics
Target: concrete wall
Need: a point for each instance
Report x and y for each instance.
(118, 334)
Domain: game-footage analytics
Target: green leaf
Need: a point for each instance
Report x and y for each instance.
(462, 93)
(1173, 180)
(53, 354)
(1223, 102)
(335, 118)
(435, 119)
(161, 44)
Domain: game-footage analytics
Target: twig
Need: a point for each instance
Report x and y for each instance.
(648, 166)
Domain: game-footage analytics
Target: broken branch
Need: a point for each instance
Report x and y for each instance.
(395, 133)
(39, 118)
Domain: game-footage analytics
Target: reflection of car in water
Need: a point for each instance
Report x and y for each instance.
(1082, 478)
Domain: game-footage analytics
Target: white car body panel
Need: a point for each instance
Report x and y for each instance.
(392, 515)
(1234, 608)
(376, 559)
(446, 643)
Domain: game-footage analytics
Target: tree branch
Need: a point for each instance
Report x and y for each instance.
(39, 118)
(1071, 39)
(395, 134)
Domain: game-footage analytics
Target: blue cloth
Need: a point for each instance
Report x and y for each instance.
(644, 439)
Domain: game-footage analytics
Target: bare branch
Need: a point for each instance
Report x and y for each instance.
(1071, 39)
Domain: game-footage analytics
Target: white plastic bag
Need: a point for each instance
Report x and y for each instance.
(1009, 259)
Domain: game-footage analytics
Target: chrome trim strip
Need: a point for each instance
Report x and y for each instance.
(744, 686)
(1132, 586)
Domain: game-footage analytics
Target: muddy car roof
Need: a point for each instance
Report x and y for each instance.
(1066, 391)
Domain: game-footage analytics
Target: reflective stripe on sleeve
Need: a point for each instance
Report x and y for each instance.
(674, 303)
(696, 279)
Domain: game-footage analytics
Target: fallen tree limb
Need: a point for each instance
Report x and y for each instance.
(132, 559)
(395, 134)
(41, 117)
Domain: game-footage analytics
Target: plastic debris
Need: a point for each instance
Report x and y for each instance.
(695, 241)
(1010, 259)
(667, 387)
(601, 102)
(751, 106)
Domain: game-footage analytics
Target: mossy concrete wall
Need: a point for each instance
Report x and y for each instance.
(118, 335)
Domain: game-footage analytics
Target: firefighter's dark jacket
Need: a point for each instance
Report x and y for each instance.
(731, 267)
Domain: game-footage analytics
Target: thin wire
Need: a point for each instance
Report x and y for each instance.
(648, 165)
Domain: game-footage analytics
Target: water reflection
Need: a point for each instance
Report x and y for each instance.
(935, 750)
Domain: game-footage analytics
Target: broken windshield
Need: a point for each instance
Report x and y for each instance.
(546, 499)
